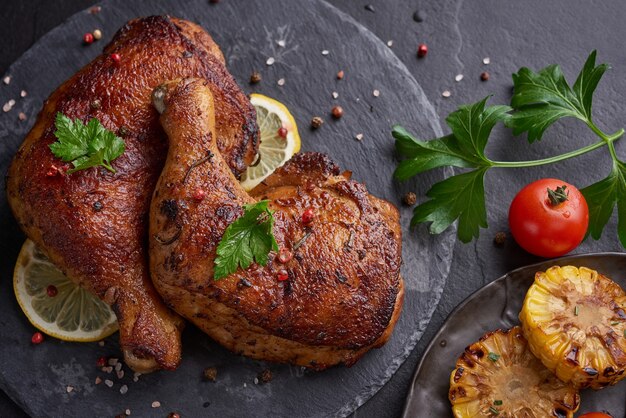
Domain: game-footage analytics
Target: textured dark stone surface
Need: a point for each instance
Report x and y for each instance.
(308, 48)
(459, 35)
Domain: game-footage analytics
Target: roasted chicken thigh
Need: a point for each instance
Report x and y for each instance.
(343, 293)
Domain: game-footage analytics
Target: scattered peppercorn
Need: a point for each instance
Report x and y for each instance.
(409, 199)
(282, 132)
(97, 206)
(210, 374)
(316, 122)
(340, 75)
(198, 195)
(122, 131)
(422, 50)
(369, 8)
(187, 54)
(88, 38)
(37, 338)
(484, 76)
(52, 291)
(255, 78)
(337, 112)
(282, 275)
(95, 104)
(173, 415)
(418, 16)
(308, 215)
(116, 57)
(97, 34)
(499, 239)
(265, 376)
(284, 256)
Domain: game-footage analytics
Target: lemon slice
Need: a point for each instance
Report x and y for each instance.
(274, 149)
(55, 304)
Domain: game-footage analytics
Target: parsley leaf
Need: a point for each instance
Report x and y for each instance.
(85, 146)
(602, 197)
(542, 98)
(462, 196)
(249, 238)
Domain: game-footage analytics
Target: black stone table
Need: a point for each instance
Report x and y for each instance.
(459, 34)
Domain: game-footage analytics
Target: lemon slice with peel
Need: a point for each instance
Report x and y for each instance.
(56, 305)
(277, 145)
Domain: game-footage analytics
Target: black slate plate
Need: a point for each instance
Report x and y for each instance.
(36, 377)
(497, 305)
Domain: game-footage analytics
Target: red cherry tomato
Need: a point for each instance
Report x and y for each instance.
(595, 415)
(549, 224)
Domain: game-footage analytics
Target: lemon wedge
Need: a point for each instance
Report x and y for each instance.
(56, 305)
(279, 139)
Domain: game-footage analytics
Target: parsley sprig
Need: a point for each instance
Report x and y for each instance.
(539, 99)
(249, 238)
(85, 145)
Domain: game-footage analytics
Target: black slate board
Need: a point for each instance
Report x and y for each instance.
(497, 305)
(36, 377)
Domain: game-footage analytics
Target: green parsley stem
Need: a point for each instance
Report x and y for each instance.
(544, 161)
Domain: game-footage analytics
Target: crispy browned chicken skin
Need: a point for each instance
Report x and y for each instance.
(344, 291)
(93, 224)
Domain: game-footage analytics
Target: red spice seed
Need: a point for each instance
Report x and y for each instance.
(484, 76)
(422, 50)
(116, 57)
(340, 75)
(284, 256)
(308, 216)
(88, 38)
(37, 338)
(199, 195)
(52, 291)
(52, 171)
(282, 275)
(282, 132)
(102, 361)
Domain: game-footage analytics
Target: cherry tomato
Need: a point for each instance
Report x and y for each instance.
(549, 217)
(595, 415)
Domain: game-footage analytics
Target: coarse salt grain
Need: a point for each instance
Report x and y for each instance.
(21, 116)
(389, 44)
(118, 367)
(69, 388)
(270, 61)
(256, 380)
(446, 93)
(23, 93)
(376, 93)
(359, 137)
(98, 380)
(325, 52)
(281, 43)
(123, 389)
(281, 82)
(335, 95)
(8, 105)
(120, 374)
(112, 361)
(458, 77)
(156, 404)
(107, 369)
(127, 412)
(486, 61)
(245, 385)
(6, 80)
(109, 383)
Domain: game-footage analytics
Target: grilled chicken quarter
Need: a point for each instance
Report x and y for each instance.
(344, 292)
(93, 224)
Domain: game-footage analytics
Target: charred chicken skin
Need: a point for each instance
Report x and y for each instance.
(93, 224)
(344, 292)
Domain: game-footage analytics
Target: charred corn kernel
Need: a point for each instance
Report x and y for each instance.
(575, 323)
(498, 376)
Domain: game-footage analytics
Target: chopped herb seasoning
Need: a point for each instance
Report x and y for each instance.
(615, 323)
(494, 411)
(576, 310)
(493, 357)
(497, 402)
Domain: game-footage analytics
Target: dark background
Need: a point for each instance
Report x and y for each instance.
(459, 34)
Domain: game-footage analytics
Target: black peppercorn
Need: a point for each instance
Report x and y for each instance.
(255, 77)
(316, 122)
(409, 199)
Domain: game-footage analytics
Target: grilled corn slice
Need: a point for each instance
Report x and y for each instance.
(575, 322)
(498, 376)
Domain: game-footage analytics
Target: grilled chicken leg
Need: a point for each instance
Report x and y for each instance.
(344, 291)
(93, 224)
